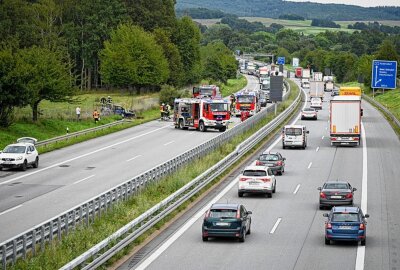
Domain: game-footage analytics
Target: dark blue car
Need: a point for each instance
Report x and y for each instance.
(346, 224)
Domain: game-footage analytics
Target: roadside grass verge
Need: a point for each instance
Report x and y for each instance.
(58, 253)
(233, 85)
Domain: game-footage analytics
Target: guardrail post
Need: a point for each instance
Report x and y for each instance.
(87, 214)
(51, 231)
(42, 238)
(4, 257)
(34, 242)
(59, 228)
(66, 223)
(24, 246)
(14, 257)
(73, 218)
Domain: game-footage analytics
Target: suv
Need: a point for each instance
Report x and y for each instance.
(20, 155)
(346, 224)
(274, 160)
(294, 136)
(257, 179)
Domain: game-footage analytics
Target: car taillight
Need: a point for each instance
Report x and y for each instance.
(258, 162)
(328, 226)
(238, 214)
(356, 139)
(207, 214)
(265, 179)
(349, 196)
(279, 163)
(362, 226)
(322, 195)
(243, 179)
(333, 139)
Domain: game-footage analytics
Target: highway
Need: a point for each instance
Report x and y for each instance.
(70, 176)
(288, 230)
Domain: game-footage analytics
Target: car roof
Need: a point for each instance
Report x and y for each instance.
(294, 126)
(336, 182)
(225, 206)
(269, 153)
(20, 144)
(350, 209)
(255, 167)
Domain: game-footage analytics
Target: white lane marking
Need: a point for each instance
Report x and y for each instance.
(297, 189)
(322, 137)
(83, 179)
(275, 226)
(192, 220)
(81, 156)
(192, 132)
(11, 209)
(316, 150)
(169, 143)
(309, 165)
(135, 157)
(364, 203)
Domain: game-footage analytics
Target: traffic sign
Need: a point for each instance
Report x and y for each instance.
(281, 60)
(295, 62)
(384, 74)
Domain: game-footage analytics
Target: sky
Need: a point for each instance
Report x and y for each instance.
(363, 3)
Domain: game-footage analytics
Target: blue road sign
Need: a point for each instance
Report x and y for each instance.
(384, 74)
(281, 60)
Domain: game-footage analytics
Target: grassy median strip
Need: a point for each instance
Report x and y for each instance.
(58, 253)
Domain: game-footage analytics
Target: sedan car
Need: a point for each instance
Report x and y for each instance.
(274, 160)
(346, 224)
(336, 193)
(257, 179)
(309, 113)
(316, 103)
(226, 220)
(20, 155)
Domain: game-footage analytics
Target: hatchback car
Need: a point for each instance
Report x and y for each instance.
(346, 224)
(274, 160)
(336, 193)
(309, 113)
(316, 103)
(257, 179)
(226, 220)
(20, 155)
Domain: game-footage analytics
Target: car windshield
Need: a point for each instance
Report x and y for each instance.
(269, 157)
(245, 99)
(219, 107)
(336, 186)
(345, 217)
(206, 91)
(219, 213)
(14, 149)
(255, 173)
(315, 100)
(309, 110)
(293, 131)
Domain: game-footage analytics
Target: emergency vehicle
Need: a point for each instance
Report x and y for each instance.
(210, 91)
(247, 101)
(201, 113)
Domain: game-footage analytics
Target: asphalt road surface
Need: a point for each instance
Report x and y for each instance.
(288, 230)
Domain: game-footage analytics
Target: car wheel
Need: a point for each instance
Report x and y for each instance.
(222, 129)
(269, 195)
(240, 194)
(363, 242)
(327, 241)
(283, 146)
(1, 168)
(249, 231)
(24, 165)
(36, 163)
(205, 238)
(181, 126)
(202, 127)
(321, 207)
(243, 237)
(274, 190)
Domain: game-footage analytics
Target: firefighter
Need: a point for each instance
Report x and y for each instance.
(162, 111)
(232, 100)
(167, 111)
(96, 116)
(244, 114)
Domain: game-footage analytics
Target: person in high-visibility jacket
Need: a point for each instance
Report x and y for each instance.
(96, 116)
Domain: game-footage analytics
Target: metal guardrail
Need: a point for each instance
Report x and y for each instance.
(35, 238)
(78, 133)
(383, 108)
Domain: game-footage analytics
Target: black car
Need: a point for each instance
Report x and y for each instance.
(336, 193)
(226, 220)
(274, 160)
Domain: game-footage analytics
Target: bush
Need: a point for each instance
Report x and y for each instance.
(168, 94)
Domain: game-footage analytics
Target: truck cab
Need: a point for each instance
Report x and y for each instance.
(247, 101)
(294, 136)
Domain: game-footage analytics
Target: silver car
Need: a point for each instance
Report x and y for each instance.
(334, 193)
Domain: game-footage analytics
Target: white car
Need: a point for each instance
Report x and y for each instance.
(316, 103)
(305, 85)
(20, 155)
(257, 179)
(309, 113)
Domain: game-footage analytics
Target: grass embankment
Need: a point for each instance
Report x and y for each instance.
(58, 253)
(55, 118)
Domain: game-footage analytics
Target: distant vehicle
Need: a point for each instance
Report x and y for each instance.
(329, 86)
(309, 113)
(247, 101)
(316, 103)
(336, 193)
(345, 120)
(208, 91)
(305, 83)
(306, 73)
(294, 136)
(317, 89)
(346, 224)
(226, 220)
(318, 76)
(274, 160)
(298, 72)
(20, 155)
(335, 92)
(257, 179)
(118, 109)
(263, 99)
(350, 91)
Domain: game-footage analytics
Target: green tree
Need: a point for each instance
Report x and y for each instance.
(364, 67)
(132, 58)
(215, 32)
(387, 51)
(43, 75)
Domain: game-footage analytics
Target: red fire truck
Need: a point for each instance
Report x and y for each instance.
(247, 101)
(201, 113)
(210, 91)
(299, 72)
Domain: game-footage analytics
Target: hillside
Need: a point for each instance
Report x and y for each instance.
(275, 8)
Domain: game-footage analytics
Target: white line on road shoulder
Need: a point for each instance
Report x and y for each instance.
(135, 157)
(316, 150)
(275, 226)
(11, 209)
(168, 143)
(297, 189)
(309, 165)
(86, 178)
(364, 203)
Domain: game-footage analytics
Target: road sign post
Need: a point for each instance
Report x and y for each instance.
(384, 75)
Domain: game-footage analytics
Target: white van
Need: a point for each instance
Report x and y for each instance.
(294, 136)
